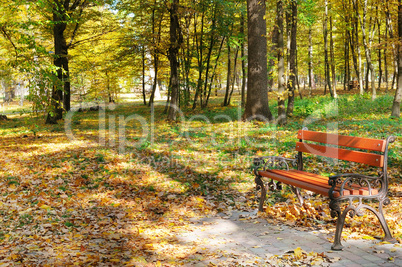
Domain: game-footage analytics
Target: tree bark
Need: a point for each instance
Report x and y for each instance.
(356, 44)
(327, 70)
(257, 94)
(281, 67)
(175, 41)
(208, 59)
(332, 54)
(228, 76)
(156, 40)
(200, 49)
(396, 106)
(379, 55)
(385, 57)
(292, 58)
(214, 72)
(243, 63)
(234, 76)
(346, 52)
(394, 48)
(143, 76)
(272, 56)
(60, 62)
(366, 41)
(311, 82)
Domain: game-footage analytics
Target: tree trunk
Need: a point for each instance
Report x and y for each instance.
(214, 73)
(243, 63)
(292, 59)
(143, 76)
(394, 48)
(385, 57)
(379, 55)
(370, 66)
(356, 43)
(396, 106)
(327, 76)
(60, 53)
(257, 94)
(175, 41)
(155, 84)
(311, 82)
(200, 49)
(208, 59)
(281, 67)
(228, 76)
(332, 54)
(187, 61)
(346, 56)
(156, 40)
(346, 77)
(272, 56)
(234, 76)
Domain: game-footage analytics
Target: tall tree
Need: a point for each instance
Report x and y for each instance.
(327, 69)
(281, 66)
(64, 12)
(175, 41)
(292, 58)
(366, 42)
(243, 62)
(257, 91)
(396, 106)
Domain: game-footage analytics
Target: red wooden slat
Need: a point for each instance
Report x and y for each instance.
(343, 154)
(298, 183)
(309, 178)
(343, 140)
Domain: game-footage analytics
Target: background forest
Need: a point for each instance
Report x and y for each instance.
(56, 52)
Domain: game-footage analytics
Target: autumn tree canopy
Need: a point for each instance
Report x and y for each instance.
(76, 50)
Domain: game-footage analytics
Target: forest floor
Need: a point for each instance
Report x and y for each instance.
(118, 186)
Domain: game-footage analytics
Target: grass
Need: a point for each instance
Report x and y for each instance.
(143, 186)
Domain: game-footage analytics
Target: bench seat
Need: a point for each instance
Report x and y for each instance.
(314, 182)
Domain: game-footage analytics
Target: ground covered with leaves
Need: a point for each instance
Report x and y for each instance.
(91, 190)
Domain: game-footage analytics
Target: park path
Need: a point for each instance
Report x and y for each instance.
(243, 239)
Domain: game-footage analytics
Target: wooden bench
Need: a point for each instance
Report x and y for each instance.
(352, 188)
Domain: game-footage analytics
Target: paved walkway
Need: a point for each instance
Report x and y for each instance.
(242, 239)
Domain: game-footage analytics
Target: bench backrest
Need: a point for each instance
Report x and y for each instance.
(339, 147)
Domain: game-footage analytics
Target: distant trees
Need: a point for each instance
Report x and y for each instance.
(94, 49)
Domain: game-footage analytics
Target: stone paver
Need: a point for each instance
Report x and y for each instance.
(254, 240)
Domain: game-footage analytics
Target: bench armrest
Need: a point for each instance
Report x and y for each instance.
(272, 162)
(341, 181)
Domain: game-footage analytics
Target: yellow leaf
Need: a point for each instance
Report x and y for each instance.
(12, 188)
(298, 252)
(368, 237)
(45, 207)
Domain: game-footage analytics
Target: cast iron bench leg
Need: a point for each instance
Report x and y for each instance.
(380, 215)
(296, 190)
(260, 185)
(342, 216)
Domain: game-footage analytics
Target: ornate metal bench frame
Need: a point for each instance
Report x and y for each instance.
(355, 205)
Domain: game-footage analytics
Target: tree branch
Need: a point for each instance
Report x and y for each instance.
(91, 38)
(8, 37)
